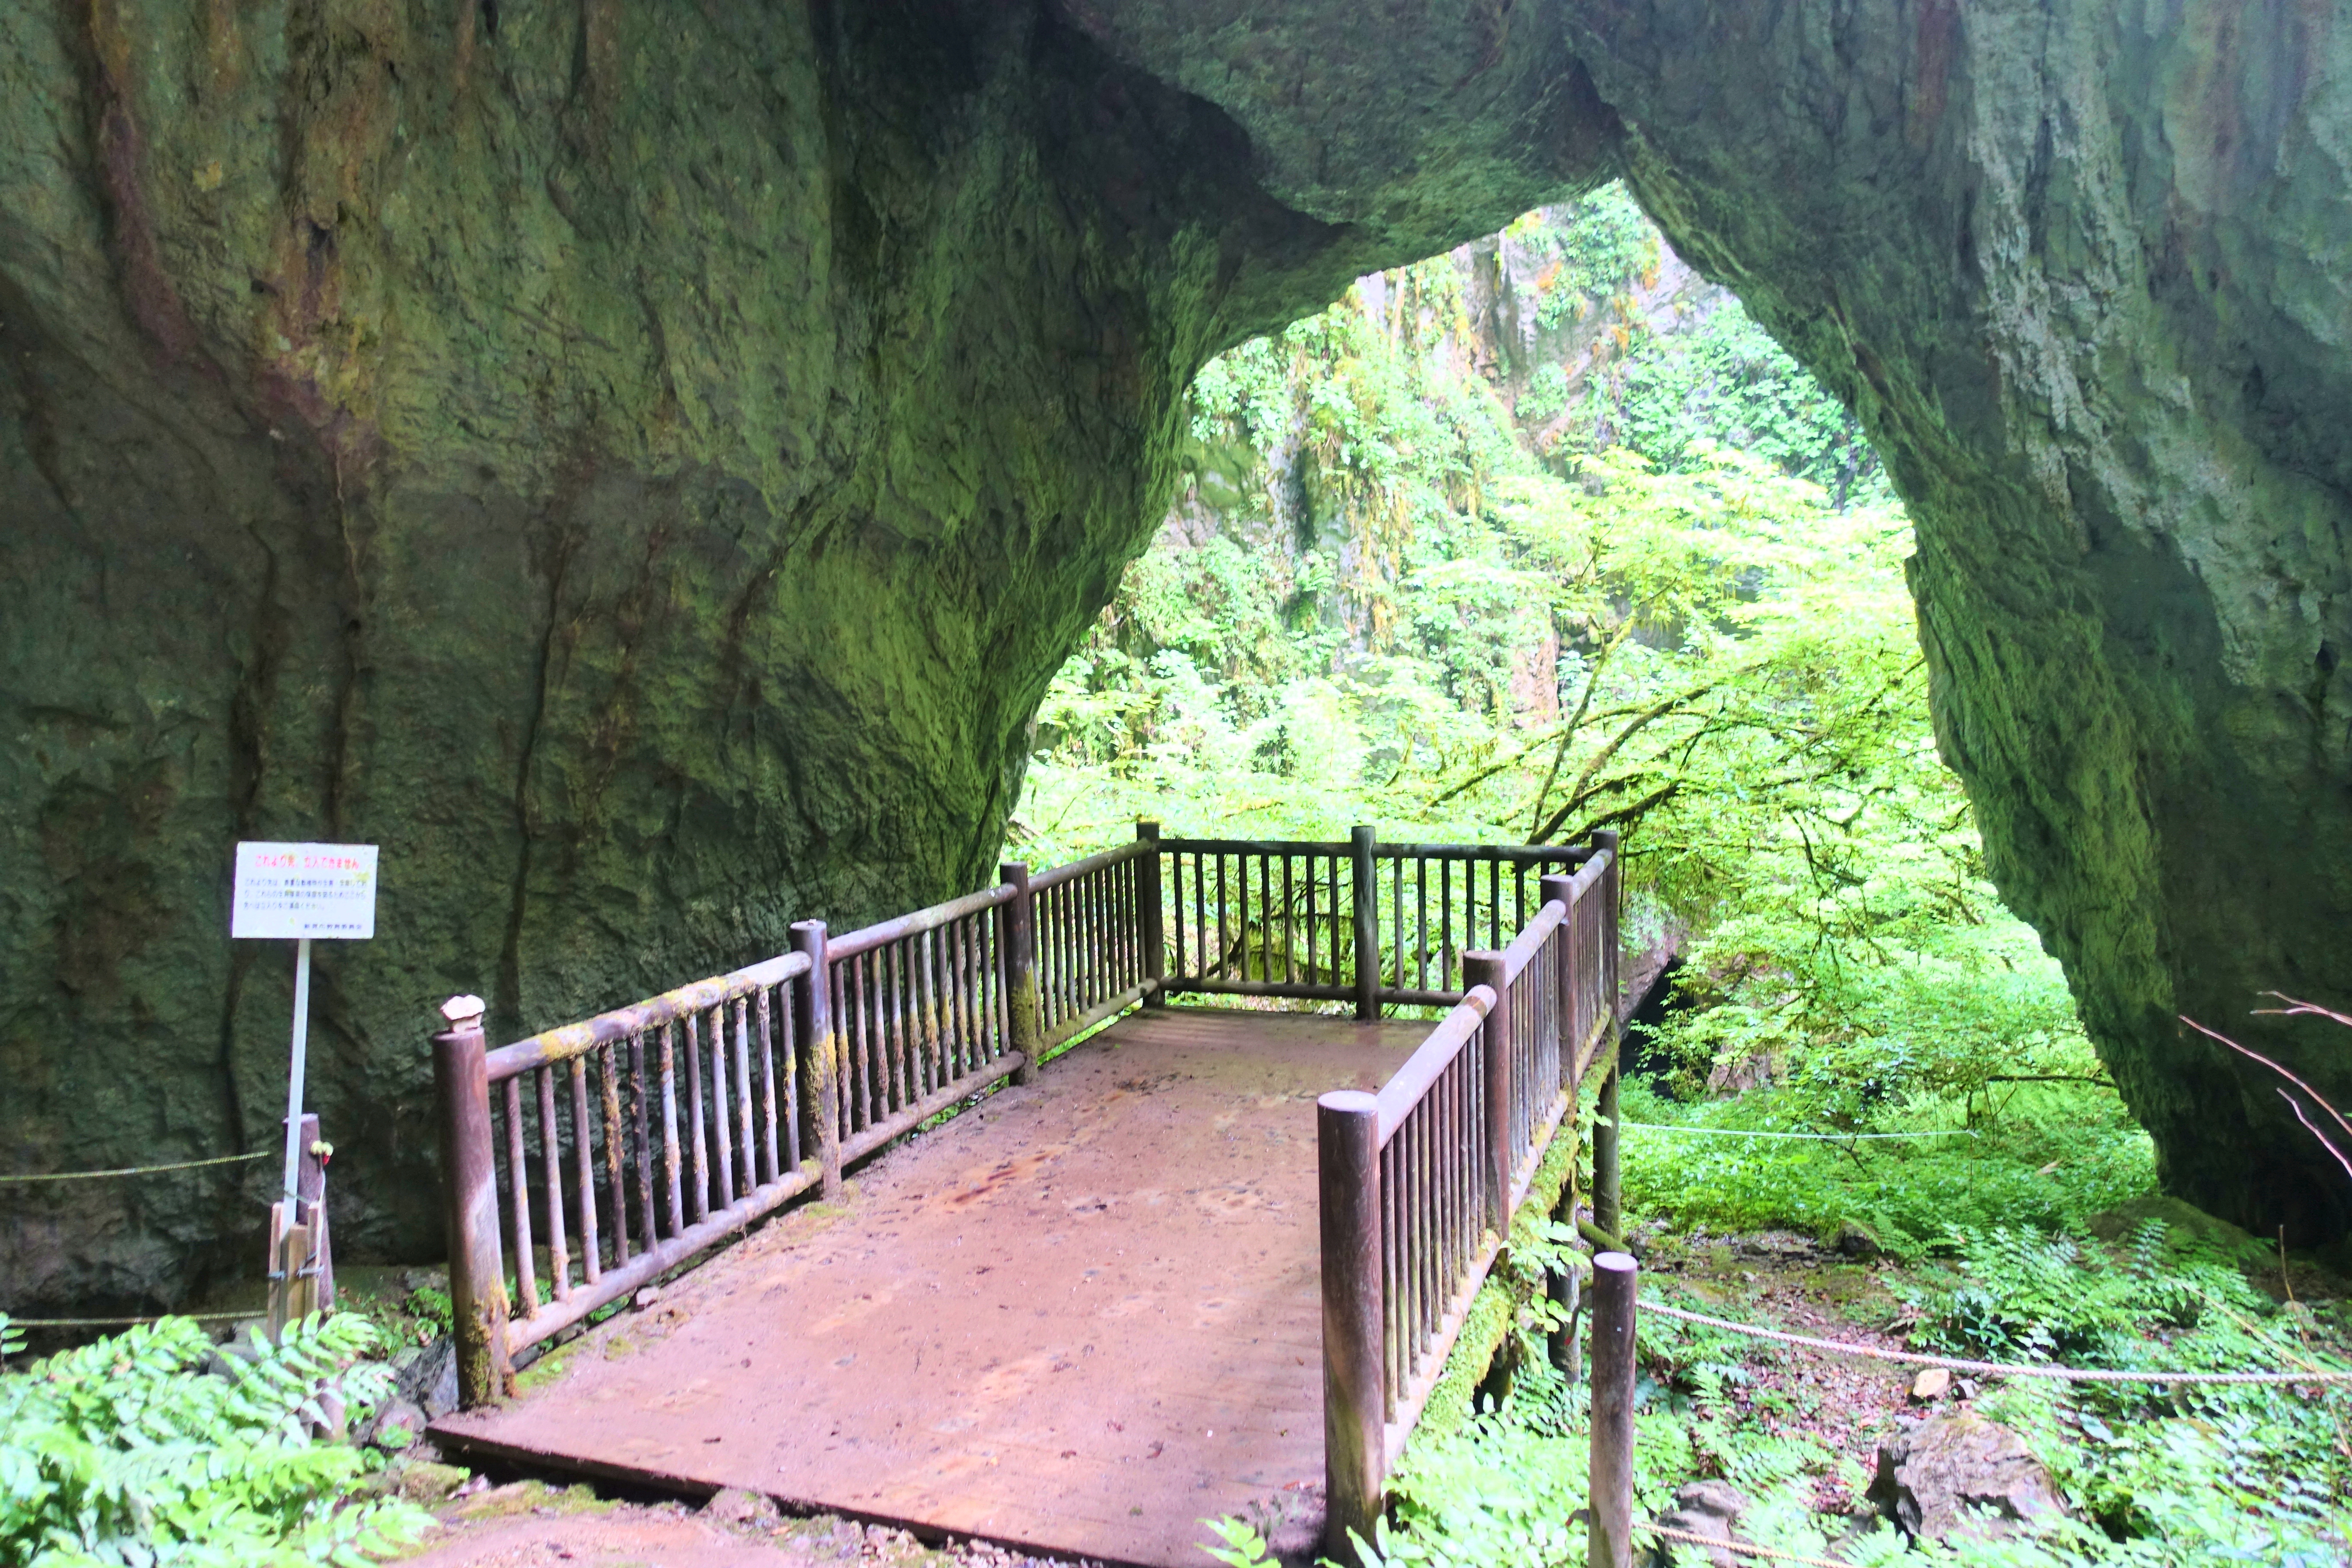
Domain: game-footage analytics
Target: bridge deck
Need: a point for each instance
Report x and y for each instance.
(1082, 1318)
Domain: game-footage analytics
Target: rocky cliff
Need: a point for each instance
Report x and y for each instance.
(641, 465)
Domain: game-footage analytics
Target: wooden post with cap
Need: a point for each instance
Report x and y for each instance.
(1610, 1491)
(1355, 1389)
(1151, 934)
(1024, 1012)
(477, 1291)
(813, 1043)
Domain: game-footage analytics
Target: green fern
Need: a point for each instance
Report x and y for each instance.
(150, 1449)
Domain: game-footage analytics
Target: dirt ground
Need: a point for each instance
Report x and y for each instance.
(528, 1524)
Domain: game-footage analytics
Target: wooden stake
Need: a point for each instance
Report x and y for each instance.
(1611, 1494)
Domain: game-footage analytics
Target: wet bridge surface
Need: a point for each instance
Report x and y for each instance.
(1081, 1318)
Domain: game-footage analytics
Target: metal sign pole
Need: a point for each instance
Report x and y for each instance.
(301, 892)
(294, 1078)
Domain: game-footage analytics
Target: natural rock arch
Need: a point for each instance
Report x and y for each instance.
(642, 464)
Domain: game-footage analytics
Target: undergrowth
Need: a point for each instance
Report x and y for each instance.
(151, 1450)
(2052, 1157)
(2157, 1476)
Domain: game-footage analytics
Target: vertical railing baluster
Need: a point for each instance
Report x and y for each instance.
(1421, 921)
(901, 990)
(551, 1160)
(698, 1148)
(788, 1096)
(1314, 934)
(642, 1117)
(673, 1176)
(616, 1147)
(935, 1068)
(1201, 916)
(850, 1008)
(1225, 947)
(1396, 919)
(1364, 899)
(772, 1164)
(519, 1183)
(872, 994)
(1337, 913)
(592, 1268)
(722, 1128)
(1445, 926)
(746, 1136)
(1395, 1227)
(967, 1040)
(1176, 948)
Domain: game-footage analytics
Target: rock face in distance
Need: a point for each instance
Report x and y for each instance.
(642, 465)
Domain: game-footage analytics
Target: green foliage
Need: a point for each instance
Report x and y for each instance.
(1546, 394)
(2052, 1157)
(435, 1314)
(1729, 383)
(2184, 1474)
(150, 1449)
(1602, 243)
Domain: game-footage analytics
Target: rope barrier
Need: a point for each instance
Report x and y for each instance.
(1745, 1548)
(1995, 1369)
(1811, 1137)
(122, 1323)
(139, 1170)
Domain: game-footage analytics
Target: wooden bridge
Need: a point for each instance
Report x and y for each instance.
(1083, 1310)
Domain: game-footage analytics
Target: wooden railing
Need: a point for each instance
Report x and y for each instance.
(1092, 935)
(920, 1014)
(1418, 1183)
(585, 1162)
(1289, 918)
(629, 1143)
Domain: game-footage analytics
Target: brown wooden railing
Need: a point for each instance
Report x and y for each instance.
(1418, 1183)
(920, 1014)
(628, 1142)
(1288, 918)
(1091, 935)
(586, 1161)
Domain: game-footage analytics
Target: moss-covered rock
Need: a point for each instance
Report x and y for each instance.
(639, 465)
(2080, 267)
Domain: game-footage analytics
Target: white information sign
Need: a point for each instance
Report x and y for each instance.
(304, 891)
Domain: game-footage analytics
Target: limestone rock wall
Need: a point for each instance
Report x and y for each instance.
(639, 464)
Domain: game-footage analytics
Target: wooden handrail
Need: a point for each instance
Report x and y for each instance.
(550, 1046)
(882, 934)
